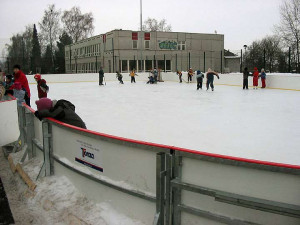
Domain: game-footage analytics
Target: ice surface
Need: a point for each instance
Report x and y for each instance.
(259, 124)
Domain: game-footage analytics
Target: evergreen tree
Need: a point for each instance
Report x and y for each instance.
(47, 61)
(36, 51)
(64, 40)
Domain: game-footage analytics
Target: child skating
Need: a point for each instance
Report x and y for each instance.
(210, 79)
(119, 76)
(199, 77)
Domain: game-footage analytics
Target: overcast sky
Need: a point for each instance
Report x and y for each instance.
(241, 21)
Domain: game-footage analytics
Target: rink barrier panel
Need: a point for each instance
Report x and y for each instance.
(276, 81)
(9, 128)
(165, 178)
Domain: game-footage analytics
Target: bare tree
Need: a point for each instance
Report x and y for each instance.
(152, 24)
(50, 28)
(289, 27)
(78, 25)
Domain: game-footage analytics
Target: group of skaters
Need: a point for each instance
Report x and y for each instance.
(199, 77)
(256, 75)
(152, 79)
(210, 78)
(17, 85)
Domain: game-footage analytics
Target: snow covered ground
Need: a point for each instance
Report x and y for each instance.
(55, 200)
(259, 124)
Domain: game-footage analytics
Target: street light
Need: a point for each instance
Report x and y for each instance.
(245, 47)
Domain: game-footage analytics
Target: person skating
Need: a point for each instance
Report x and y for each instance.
(179, 74)
(21, 77)
(155, 75)
(101, 76)
(61, 110)
(41, 86)
(263, 76)
(190, 75)
(132, 75)
(255, 78)
(151, 79)
(19, 93)
(199, 77)
(245, 78)
(119, 76)
(210, 78)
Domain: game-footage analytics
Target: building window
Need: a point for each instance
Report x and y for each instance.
(135, 36)
(147, 44)
(134, 44)
(124, 66)
(181, 45)
(147, 36)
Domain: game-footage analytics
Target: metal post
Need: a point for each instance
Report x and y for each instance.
(176, 191)
(265, 59)
(164, 62)
(204, 62)
(160, 186)
(70, 59)
(47, 139)
(168, 187)
(289, 59)
(221, 62)
(29, 134)
(176, 63)
(96, 65)
(141, 24)
(113, 54)
(189, 60)
(241, 69)
(154, 62)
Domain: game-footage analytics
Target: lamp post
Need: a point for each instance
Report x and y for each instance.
(245, 47)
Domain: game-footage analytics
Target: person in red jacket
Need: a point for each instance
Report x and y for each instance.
(21, 77)
(255, 78)
(41, 86)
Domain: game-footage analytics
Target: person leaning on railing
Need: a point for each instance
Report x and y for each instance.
(61, 110)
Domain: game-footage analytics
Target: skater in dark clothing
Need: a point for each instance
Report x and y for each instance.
(155, 75)
(151, 79)
(179, 74)
(199, 77)
(245, 78)
(190, 75)
(210, 78)
(61, 110)
(101, 76)
(41, 86)
(119, 76)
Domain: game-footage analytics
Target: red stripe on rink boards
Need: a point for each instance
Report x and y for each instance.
(12, 99)
(239, 159)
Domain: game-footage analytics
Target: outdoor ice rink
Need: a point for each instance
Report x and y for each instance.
(261, 124)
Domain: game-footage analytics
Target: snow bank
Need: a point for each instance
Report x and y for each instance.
(57, 201)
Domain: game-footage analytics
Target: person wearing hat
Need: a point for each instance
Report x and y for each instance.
(199, 77)
(8, 81)
(41, 86)
(61, 110)
(255, 78)
(263, 76)
(210, 78)
(21, 77)
(19, 94)
(190, 75)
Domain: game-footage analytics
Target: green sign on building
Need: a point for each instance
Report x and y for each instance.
(169, 45)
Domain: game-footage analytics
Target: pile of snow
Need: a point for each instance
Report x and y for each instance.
(56, 201)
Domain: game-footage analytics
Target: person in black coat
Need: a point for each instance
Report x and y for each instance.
(245, 78)
(61, 110)
(101, 76)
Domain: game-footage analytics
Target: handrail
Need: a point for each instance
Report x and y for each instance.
(12, 98)
(220, 156)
